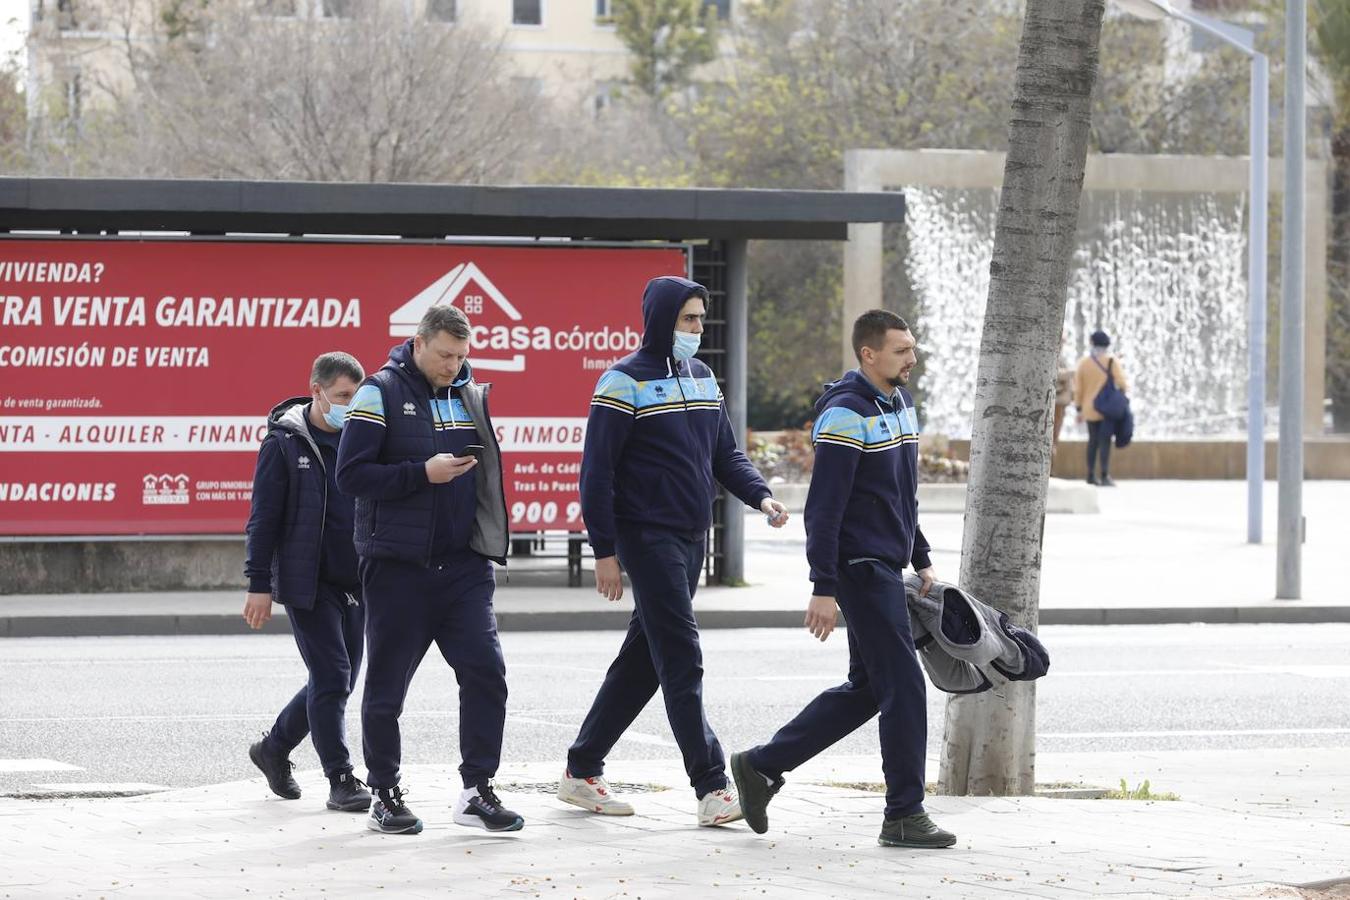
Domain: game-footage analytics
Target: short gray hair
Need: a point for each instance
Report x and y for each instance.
(329, 367)
(443, 318)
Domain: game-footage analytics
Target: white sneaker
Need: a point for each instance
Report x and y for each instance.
(719, 808)
(591, 794)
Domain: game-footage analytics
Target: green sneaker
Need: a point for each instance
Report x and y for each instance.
(755, 792)
(913, 831)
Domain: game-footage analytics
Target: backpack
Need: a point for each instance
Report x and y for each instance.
(1110, 401)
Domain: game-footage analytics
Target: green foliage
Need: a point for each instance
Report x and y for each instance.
(184, 19)
(1142, 792)
(813, 78)
(1136, 108)
(797, 294)
(1331, 30)
(667, 40)
(13, 116)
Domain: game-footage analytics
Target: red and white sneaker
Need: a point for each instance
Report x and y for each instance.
(719, 808)
(593, 795)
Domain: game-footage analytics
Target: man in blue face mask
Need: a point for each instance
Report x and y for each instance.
(300, 553)
(658, 441)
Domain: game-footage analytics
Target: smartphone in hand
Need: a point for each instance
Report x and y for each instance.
(474, 450)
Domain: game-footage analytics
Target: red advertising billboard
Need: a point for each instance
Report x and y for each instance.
(136, 376)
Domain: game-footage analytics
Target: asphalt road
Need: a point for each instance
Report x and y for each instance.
(97, 713)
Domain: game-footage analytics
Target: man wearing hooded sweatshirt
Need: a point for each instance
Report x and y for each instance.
(657, 441)
(299, 553)
(420, 456)
(862, 530)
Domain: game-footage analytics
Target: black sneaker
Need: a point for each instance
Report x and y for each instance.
(390, 815)
(278, 770)
(1091, 479)
(1107, 481)
(755, 791)
(914, 831)
(479, 807)
(348, 793)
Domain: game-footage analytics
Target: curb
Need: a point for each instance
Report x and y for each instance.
(617, 620)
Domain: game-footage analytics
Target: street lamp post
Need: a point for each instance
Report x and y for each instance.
(1289, 531)
(1258, 150)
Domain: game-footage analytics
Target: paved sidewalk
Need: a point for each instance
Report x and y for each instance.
(233, 840)
(1158, 552)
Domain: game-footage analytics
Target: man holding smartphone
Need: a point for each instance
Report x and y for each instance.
(657, 441)
(430, 520)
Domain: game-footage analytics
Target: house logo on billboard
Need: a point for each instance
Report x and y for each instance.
(466, 284)
(164, 490)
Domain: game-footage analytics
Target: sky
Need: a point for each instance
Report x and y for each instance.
(13, 26)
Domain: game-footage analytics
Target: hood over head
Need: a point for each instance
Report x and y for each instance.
(662, 301)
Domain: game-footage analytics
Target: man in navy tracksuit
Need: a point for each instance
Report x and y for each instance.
(862, 530)
(420, 456)
(300, 554)
(657, 440)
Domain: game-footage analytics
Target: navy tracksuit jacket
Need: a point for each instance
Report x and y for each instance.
(299, 549)
(861, 531)
(424, 582)
(657, 442)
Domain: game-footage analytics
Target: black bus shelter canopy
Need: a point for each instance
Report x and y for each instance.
(84, 205)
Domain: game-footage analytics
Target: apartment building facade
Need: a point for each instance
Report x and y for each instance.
(568, 49)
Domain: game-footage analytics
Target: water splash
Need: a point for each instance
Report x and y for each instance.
(1164, 275)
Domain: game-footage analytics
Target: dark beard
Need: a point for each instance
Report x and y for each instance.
(897, 381)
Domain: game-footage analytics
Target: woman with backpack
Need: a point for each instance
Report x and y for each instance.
(1095, 372)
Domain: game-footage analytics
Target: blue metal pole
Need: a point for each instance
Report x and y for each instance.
(1256, 296)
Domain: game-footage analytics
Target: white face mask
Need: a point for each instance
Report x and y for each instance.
(686, 345)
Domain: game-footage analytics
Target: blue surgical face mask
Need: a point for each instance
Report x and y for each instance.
(336, 416)
(686, 345)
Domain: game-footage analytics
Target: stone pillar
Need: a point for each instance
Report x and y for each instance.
(862, 253)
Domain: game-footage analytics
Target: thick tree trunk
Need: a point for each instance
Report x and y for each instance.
(989, 740)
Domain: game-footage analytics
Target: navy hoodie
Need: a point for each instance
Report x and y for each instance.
(299, 528)
(658, 437)
(863, 500)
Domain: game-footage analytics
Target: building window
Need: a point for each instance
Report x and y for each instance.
(604, 9)
(74, 96)
(338, 9)
(66, 17)
(723, 8)
(442, 10)
(527, 12)
(527, 87)
(606, 92)
(281, 9)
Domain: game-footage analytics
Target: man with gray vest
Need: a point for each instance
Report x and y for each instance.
(300, 554)
(421, 458)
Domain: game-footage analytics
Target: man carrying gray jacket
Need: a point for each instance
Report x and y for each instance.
(862, 531)
(420, 456)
